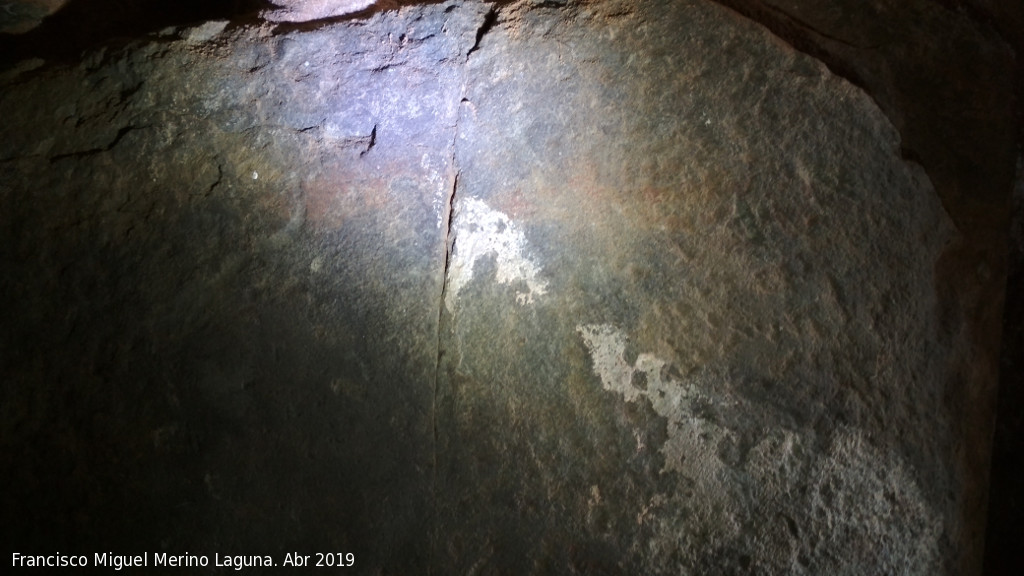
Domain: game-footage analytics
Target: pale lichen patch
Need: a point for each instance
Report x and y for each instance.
(481, 231)
(692, 440)
(865, 497)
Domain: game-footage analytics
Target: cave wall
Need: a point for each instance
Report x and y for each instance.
(551, 287)
(1006, 510)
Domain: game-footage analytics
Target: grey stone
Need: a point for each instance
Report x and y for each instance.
(306, 10)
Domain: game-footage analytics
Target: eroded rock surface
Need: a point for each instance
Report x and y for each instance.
(945, 72)
(307, 10)
(532, 287)
(738, 316)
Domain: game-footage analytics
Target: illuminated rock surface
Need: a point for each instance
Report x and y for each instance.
(539, 287)
(307, 10)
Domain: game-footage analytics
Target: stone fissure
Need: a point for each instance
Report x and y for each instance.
(490, 19)
(106, 148)
(448, 243)
(220, 178)
(449, 240)
(371, 141)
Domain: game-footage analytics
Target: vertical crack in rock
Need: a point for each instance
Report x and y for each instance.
(490, 19)
(371, 141)
(448, 243)
(217, 182)
(449, 240)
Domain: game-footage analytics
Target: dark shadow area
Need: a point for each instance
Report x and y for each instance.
(1003, 553)
(84, 24)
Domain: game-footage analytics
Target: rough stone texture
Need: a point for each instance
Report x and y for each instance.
(699, 314)
(945, 72)
(222, 267)
(306, 10)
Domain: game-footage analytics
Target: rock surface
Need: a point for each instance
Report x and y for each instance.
(532, 287)
(712, 275)
(307, 10)
(947, 81)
